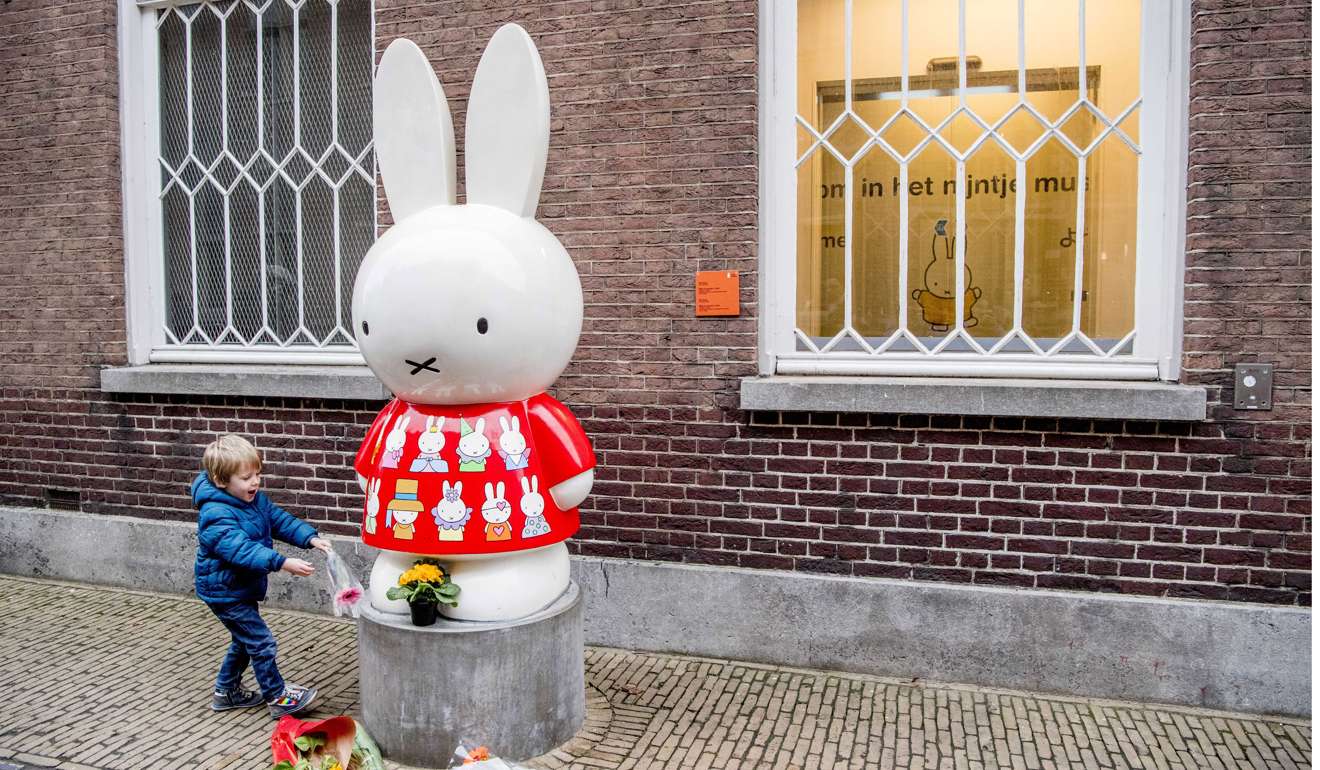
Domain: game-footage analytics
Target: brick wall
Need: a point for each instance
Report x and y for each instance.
(1248, 288)
(653, 176)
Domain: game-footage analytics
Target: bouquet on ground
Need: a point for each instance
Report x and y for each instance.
(338, 743)
(425, 586)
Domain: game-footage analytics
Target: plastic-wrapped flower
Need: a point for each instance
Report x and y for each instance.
(347, 597)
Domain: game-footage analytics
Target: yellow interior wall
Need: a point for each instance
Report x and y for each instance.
(1051, 41)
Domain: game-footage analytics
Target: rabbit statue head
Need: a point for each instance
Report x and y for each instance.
(469, 303)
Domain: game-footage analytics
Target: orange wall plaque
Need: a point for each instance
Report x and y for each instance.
(717, 293)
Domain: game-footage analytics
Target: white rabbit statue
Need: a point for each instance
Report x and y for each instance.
(468, 313)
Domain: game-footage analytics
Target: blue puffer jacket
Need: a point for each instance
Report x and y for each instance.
(234, 551)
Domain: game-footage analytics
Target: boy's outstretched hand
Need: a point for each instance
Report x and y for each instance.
(320, 544)
(297, 567)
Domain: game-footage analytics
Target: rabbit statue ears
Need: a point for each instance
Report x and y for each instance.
(507, 137)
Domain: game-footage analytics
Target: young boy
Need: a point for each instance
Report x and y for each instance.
(234, 529)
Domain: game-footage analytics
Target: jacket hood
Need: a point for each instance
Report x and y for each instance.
(203, 491)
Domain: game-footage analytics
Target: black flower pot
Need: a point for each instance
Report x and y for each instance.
(423, 613)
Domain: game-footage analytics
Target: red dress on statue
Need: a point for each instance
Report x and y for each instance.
(470, 478)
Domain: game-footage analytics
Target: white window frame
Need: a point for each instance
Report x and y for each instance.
(1161, 221)
(144, 257)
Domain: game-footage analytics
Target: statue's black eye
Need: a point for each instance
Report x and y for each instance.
(482, 326)
(365, 329)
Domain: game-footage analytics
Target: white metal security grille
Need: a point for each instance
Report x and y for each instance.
(267, 176)
(846, 349)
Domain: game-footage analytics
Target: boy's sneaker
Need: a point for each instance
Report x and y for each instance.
(293, 700)
(237, 698)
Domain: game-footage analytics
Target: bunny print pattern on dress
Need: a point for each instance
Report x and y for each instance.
(496, 511)
(451, 513)
(394, 443)
(513, 445)
(533, 507)
(452, 495)
(370, 524)
(473, 446)
(429, 444)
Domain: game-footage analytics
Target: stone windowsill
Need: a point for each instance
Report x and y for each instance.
(286, 381)
(1000, 397)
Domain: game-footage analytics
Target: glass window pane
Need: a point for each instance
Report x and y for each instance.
(932, 246)
(820, 58)
(1050, 252)
(1110, 53)
(990, 193)
(1109, 274)
(173, 88)
(876, 230)
(1052, 54)
(821, 245)
(1019, 275)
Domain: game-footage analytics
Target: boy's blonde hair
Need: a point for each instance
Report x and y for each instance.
(227, 455)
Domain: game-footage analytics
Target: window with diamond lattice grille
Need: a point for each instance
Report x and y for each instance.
(972, 187)
(266, 177)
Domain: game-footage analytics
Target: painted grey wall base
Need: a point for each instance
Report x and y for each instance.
(1220, 655)
(142, 554)
(1224, 655)
(517, 687)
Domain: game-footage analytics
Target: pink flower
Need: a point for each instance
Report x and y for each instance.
(347, 597)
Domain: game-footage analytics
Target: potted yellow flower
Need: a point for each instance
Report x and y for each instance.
(425, 586)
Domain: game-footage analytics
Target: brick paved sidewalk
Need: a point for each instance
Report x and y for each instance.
(102, 678)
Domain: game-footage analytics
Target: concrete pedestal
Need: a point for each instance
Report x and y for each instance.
(515, 686)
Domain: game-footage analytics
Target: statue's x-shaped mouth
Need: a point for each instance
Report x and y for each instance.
(423, 365)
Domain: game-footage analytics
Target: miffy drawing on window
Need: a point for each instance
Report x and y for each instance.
(938, 305)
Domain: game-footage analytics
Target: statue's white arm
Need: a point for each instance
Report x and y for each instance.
(362, 482)
(569, 494)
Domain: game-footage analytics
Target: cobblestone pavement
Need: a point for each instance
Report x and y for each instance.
(103, 678)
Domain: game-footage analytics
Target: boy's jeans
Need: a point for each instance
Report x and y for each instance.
(252, 642)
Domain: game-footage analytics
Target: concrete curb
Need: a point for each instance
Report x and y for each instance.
(1220, 655)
